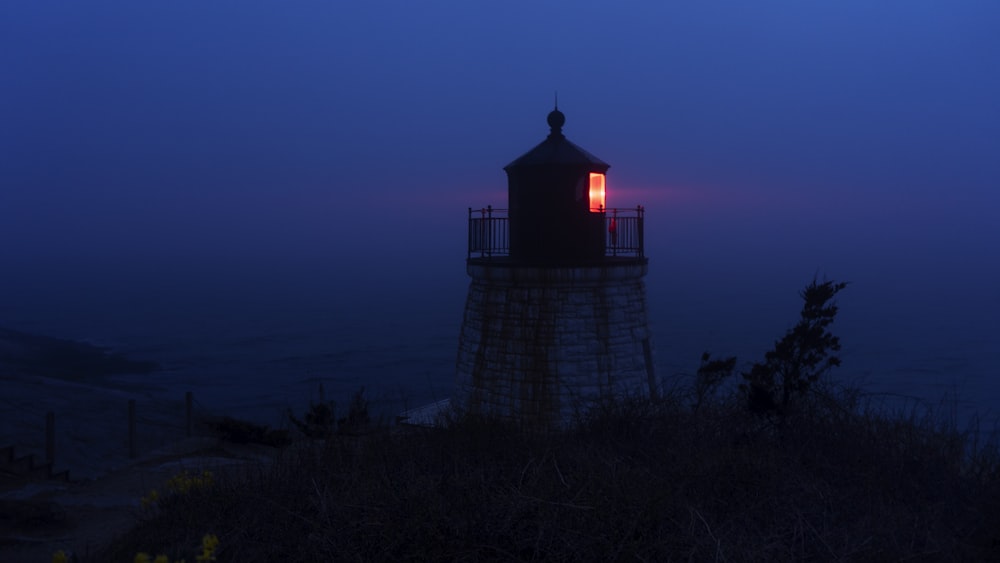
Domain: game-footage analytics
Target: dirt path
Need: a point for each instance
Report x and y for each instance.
(39, 518)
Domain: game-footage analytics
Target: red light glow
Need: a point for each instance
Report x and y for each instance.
(596, 192)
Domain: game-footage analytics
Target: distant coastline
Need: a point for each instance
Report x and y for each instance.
(46, 356)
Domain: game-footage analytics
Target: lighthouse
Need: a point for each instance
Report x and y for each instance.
(555, 316)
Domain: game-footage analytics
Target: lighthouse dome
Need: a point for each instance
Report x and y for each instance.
(557, 149)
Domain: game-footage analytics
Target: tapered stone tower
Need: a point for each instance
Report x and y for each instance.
(556, 312)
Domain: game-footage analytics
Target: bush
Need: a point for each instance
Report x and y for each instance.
(319, 422)
(800, 358)
(245, 432)
(357, 420)
(640, 480)
(710, 376)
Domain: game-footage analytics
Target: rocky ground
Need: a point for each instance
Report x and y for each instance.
(38, 518)
(88, 388)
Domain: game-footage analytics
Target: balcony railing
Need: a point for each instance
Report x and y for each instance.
(489, 232)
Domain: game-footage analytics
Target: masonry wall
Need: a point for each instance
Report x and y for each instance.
(537, 344)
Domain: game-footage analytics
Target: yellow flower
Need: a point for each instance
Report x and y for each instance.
(184, 482)
(161, 559)
(208, 545)
(149, 500)
(141, 557)
(60, 557)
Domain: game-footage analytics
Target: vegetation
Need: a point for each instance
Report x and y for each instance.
(180, 484)
(799, 359)
(246, 432)
(701, 474)
(319, 421)
(635, 480)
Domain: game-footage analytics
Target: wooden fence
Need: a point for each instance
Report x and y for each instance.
(12, 465)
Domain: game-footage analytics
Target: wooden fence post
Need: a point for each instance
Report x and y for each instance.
(131, 428)
(189, 413)
(50, 437)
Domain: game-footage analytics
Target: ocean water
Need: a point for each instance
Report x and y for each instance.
(253, 351)
(253, 343)
(254, 329)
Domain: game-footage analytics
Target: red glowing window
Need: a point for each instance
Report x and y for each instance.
(596, 192)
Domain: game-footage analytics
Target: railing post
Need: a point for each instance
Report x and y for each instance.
(50, 437)
(614, 232)
(489, 230)
(189, 413)
(639, 224)
(131, 428)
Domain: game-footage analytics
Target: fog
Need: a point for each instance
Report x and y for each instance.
(177, 172)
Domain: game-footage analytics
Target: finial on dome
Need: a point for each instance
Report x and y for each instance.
(556, 119)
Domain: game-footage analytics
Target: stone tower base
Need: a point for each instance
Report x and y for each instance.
(538, 344)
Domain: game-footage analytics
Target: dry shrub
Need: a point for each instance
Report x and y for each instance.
(631, 480)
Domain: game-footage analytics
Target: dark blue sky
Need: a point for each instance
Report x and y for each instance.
(858, 138)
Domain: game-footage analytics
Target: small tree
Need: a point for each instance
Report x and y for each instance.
(805, 353)
(319, 420)
(357, 419)
(711, 373)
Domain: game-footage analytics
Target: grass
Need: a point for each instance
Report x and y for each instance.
(634, 480)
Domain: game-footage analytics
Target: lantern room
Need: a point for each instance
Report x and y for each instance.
(556, 194)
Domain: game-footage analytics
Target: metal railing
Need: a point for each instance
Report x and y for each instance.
(624, 229)
(489, 232)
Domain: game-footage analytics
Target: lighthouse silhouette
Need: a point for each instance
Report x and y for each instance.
(555, 317)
